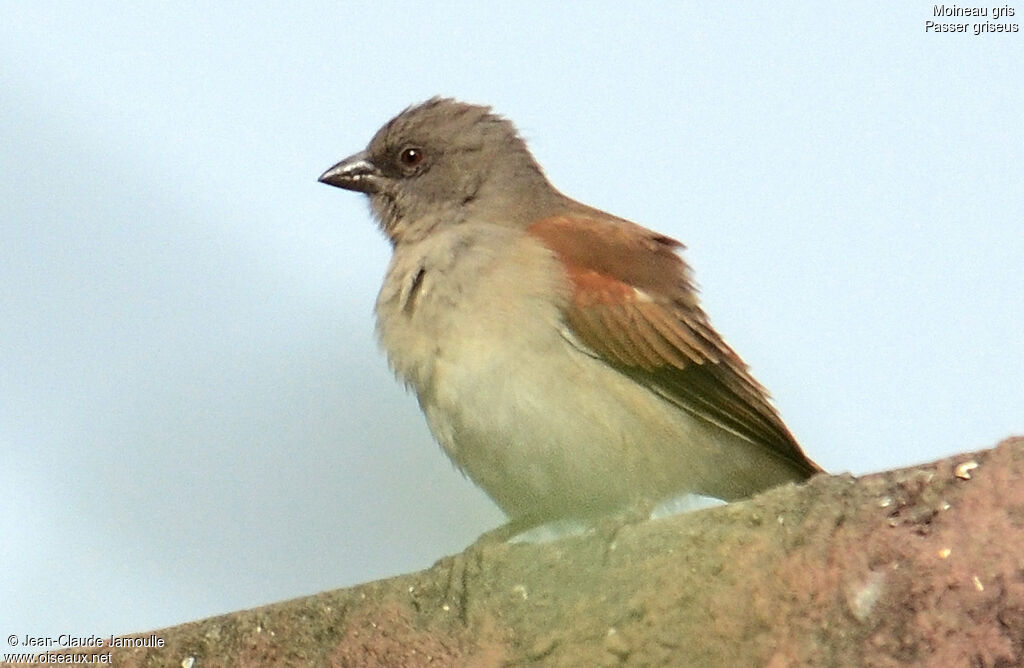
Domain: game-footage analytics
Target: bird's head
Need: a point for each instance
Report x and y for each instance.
(443, 162)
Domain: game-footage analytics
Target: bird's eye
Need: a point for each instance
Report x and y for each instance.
(410, 156)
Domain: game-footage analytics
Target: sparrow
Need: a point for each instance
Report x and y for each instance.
(559, 353)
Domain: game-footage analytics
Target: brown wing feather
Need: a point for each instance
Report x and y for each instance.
(634, 304)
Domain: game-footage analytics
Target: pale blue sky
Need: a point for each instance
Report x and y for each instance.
(194, 417)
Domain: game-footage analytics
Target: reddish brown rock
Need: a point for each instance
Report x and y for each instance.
(916, 567)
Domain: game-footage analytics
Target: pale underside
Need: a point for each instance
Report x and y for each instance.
(536, 417)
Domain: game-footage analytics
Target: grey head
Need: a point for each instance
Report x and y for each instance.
(445, 162)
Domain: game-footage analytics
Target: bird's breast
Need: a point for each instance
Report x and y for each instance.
(463, 303)
(474, 326)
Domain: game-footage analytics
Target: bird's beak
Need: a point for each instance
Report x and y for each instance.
(355, 172)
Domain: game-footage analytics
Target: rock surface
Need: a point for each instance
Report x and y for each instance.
(914, 567)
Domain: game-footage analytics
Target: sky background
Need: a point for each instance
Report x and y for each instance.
(194, 415)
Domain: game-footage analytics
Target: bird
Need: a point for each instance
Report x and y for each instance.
(559, 353)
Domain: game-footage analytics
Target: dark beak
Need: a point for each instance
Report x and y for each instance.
(355, 172)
